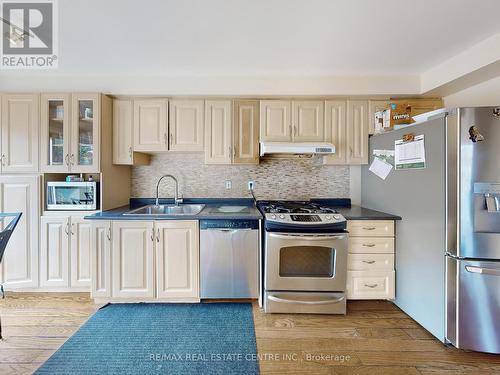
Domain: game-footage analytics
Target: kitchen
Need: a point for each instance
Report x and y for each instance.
(195, 213)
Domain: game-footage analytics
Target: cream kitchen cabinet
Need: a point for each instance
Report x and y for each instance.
(336, 130)
(19, 131)
(150, 125)
(246, 132)
(370, 269)
(19, 267)
(70, 132)
(186, 125)
(276, 121)
(218, 132)
(101, 259)
(177, 259)
(132, 259)
(65, 252)
(307, 121)
(145, 260)
(123, 135)
(357, 132)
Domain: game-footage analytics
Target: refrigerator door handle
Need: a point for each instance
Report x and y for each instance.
(483, 271)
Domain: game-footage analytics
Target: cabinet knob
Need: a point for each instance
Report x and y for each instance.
(72, 159)
(109, 234)
(3, 160)
(371, 285)
(130, 152)
(166, 138)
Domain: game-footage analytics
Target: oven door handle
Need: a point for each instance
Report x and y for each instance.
(307, 237)
(324, 302)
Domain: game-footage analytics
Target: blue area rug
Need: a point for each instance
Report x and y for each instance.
(161, 339)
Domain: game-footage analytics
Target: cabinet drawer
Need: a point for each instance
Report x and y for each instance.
(370, 284)
(370, 228)
(371, 245)
(367, 262)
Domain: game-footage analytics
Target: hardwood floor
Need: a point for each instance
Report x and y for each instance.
(374, 338)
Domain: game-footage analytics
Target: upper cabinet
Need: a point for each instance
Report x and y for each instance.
(19, 130)
(292, 121)
(186, 125)
(335, 130)
(70, 139)
(307, 120)
(151, 125)
(275, 120)
(357, 132)
(123, 134)
(218, 144)
(246, 132)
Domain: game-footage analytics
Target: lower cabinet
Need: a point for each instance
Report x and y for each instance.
(145, 260)
(19, 267)
(370, 268)
(177, 259)
(132, 259)
(65, 250)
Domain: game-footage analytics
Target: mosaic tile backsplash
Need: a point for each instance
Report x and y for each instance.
(274, 179)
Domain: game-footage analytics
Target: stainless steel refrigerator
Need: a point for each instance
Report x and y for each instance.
(448, 243)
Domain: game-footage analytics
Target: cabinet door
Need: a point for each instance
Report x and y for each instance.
(20, 262)
(177, 259)
(55, 137)
(275, 121)
(150, 125)
(122, 132)
(80, 251)
(357, 132)
(54, 251)
(246, 132)
(335, 130)
(218, 149)
(101, 259)
(85, 134)
(186, 125)
(20, 123)
(307, 120)
(375, 106)
(132, 259)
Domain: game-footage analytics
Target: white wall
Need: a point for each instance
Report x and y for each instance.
(483, 94)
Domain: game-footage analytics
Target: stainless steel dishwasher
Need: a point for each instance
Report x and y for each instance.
(229, 258)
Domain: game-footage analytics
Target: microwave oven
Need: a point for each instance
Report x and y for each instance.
(72, 195)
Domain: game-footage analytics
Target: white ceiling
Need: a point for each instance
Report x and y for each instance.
(269, 37)
(347, 46)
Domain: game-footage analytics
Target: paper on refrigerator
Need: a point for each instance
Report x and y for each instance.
(409, 155)
(380, 168)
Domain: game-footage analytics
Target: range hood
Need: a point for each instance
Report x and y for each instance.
(289, 148)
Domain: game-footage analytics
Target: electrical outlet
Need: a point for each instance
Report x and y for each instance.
(228, 184)
(251, 185)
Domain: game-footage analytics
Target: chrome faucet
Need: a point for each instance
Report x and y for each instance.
(177, 200)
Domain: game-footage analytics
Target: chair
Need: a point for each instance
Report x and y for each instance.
(4, 239)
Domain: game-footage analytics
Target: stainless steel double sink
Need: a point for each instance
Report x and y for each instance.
(167, 210)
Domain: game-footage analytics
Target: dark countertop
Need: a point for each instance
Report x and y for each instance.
(350, 212)
(210, 211)
(361, 213)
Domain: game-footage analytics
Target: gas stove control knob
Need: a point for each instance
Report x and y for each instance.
(273, 216)
(328, 217)
(282, 216)
(337, 217)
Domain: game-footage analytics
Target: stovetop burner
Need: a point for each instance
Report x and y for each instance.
(294, 207)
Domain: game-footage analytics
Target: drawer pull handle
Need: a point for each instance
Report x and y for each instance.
(371, 285)
(369, 245)
(369, 228)
(369, 261)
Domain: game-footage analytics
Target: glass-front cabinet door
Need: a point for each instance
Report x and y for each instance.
(55, 133)
(84, 155)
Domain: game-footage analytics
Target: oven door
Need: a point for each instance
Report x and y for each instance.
(306, 262)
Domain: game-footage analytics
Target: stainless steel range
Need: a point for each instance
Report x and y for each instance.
(305, 258)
